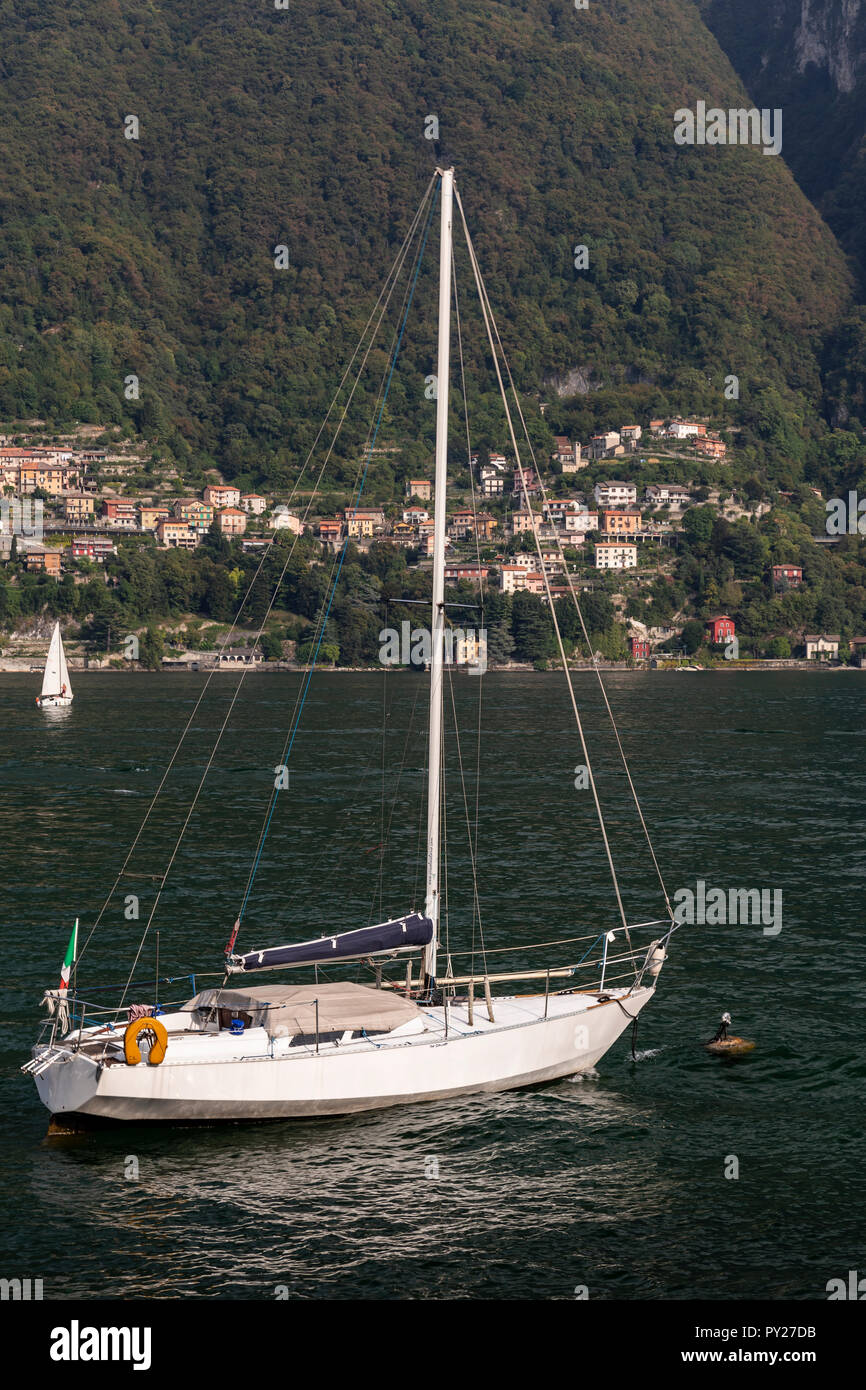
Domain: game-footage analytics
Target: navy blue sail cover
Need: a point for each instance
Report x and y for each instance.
(403, 932)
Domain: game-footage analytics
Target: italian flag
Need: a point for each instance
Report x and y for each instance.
(69, 960)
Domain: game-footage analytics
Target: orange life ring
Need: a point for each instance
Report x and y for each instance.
(131, 1049)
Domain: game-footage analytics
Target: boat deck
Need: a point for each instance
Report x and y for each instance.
(188, 1046)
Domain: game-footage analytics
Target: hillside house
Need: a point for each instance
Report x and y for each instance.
(221, 495)
(615, 494)
(172, 533)
(150, 515)
(53, 478)
(232, 521)
(822, 646)
(609, 555)
(565, 453)
(602, 446)
(523, 520)
(422, 488)
(491, 480)
(685, 429)
(620, 521)
(466, 570)
(78, 506)
(719, 630)
(364, 521)
(711, 447)
(516, 579)
(121, 513)
(579, 524)
(787, 576)
(557, 508)
(415, 515)
(284, 520)
(196, 514)
(46, 561)
(253, 503)
(667, 495)
(96, 548)
(630, 436)
(530, 484)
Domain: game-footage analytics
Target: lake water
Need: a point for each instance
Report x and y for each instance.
(614, 1181)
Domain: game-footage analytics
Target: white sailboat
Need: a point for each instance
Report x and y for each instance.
(56, 685)
(243, 1050)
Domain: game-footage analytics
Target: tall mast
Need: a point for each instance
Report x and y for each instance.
(434, 762)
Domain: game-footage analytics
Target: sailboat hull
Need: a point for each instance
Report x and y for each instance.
(54, 701)
(344, 1081)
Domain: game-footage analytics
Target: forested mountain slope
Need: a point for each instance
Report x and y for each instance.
(306, 126)
(809, 57)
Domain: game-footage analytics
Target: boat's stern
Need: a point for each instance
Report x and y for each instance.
(65, 1080)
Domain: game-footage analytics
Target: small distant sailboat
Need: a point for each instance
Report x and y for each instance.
(56, 685)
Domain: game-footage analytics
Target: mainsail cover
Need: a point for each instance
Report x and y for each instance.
(398, 935)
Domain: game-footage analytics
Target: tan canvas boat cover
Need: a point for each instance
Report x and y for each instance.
(286, 1010)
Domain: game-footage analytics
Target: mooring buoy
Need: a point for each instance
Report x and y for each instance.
(731, 1046)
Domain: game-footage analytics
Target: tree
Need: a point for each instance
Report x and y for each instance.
(692, 636)
(500, 643)
(780, 648)
(151, 647)
(698, 525)
(531, 628)
(598, 612)
(271, 647)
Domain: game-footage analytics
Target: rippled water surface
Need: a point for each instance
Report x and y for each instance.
(615, 1181)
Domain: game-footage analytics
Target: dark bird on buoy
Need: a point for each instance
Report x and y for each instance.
(722, 1034)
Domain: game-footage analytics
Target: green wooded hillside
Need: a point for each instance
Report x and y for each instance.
(306, 127)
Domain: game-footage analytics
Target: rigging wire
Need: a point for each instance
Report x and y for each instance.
(476, 915)
(476, 903)
(487, 315)
(381, 307)
(384, 294)
(592, 655)
(287, 751)
(386, 837)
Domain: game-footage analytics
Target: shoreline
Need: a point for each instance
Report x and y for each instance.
(24, 666)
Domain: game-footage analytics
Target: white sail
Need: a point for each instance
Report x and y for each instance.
(56, 675)
(51, 678)
(65, 682)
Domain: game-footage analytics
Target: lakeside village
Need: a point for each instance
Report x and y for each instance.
(66, 512)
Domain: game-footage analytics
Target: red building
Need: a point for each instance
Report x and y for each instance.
(476, 574)
(639, 648)
(720, 630)
(787, 576)
(92, 548)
